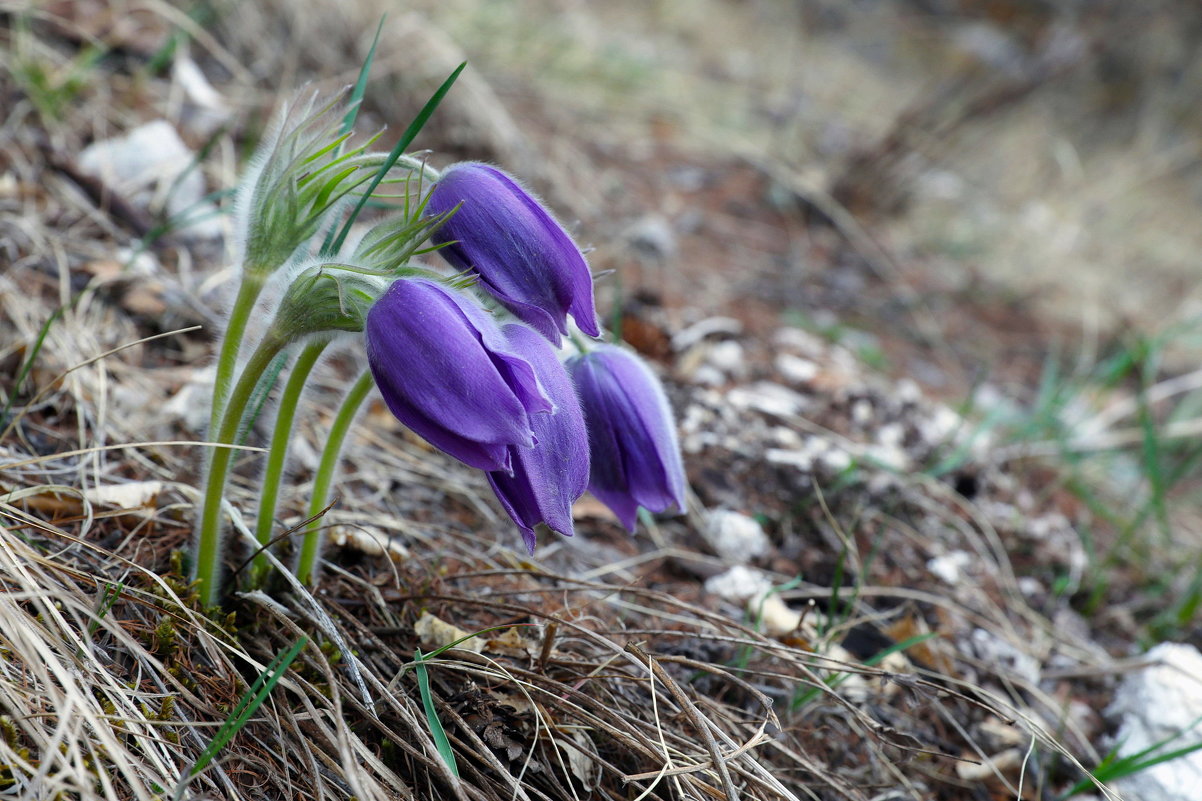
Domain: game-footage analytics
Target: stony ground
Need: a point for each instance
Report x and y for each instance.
(904, 573)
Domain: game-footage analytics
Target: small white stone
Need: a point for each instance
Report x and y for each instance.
(152, 168)
(1153, 705)
(652, 235)
(769, 398)
(739, 584)
(889, 457)
(891, 435)
(950, 567)
(836, 460)
(795, 369)
(735, 536)
(790, 458)
(688, 337)
(800, 341)
(787, 437)
(908, 391)
(708, 375)
(861, 412)
(728, 356)
(209, 110)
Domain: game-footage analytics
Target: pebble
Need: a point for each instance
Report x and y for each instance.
(152, 165)
(1152, 705)
(950, 567)
(795, 369)
(769, 398)
(735, 536)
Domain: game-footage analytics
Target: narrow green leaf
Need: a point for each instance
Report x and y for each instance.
(356, 100)
(436, 730)
(406, 139)
(249, 704)
(30, 359)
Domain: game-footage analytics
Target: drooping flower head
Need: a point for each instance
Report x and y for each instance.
(522, 255)
(447, 372)
(549, 477)
(635, 458)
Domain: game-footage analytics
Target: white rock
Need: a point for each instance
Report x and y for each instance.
(803, 342)
(208, 110)
(795, 369)
(735, 536)
(889, 457)
(708, 375)
(728, 356)
(891, 434)
(950, 567)
(802, 460)
(787, 437)
(688, 337)
(835, 460)
(908, 391)
(861, 412)
(1152, 705)
(739, 584)
(942, 423)
(152, 168)
(753, 589)
(769, 398)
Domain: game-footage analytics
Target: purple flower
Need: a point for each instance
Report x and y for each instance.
(635, 458)
(549, 477)
(447, 372)
(522, 256)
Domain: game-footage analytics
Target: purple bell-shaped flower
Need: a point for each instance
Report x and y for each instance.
(522, 255)
(635, 457)
(549, 477)
(447, 372)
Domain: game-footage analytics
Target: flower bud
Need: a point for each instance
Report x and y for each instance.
(297, 177)
(447, 372)
(634, 457)
(522, 256)
(549, 477)
(323, 299)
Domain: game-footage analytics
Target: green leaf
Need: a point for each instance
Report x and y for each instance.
(348, 122)
(249, 703)
(406, 139)
(436, 730)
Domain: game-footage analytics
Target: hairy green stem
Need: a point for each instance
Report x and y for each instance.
(306, 566)
(208, 544)
(277, 457)
(227, 359)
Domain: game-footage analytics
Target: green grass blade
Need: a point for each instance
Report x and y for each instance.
(109, 597)
(249, 704)
(436, 730)
(406, 139)
(356, 99)
(23, 374)
(1114, 767)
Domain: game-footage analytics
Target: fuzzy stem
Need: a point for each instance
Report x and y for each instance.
(306, 566)
(227, 359)
(208, 544)
(277, 457)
